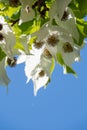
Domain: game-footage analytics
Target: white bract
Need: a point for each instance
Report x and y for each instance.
(27, 13)
(58, 7)
(31, 62)
(24, 41)
(70, 53)
(70, 26)
(8, 38)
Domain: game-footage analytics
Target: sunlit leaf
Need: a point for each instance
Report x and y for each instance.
(2, 54)
(82, 28)
(52, 66)
(68, 69)
(60, 59)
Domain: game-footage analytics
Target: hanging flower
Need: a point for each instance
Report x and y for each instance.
(40, 79)
(70, 53)
(38, 65)
(66, 46)
(42, 73)
(7, 38)
(31, 61)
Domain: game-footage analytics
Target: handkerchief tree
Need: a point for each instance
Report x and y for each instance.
(40, 33)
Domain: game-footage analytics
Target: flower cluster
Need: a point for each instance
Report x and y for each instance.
(51, 40)
(52, 37)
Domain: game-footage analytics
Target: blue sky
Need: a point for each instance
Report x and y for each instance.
(61, 106)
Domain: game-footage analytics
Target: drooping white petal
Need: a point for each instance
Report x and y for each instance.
(25, 17)
(52, 50)
(42, 33)
(70, 58)
(46, 64)
(24, 41)
(58, 8)
(40, 83)
(70, 27)
(53, 10)
(30, 64)
(27, 13)
(9, 39)
(61, 6)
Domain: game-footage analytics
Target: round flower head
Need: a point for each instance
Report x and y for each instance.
(41, 73)
(38, 44)
(67, 47)
(52, 40)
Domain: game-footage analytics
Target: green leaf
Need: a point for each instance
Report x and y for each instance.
(52, 66)
(17, 30)
(15, 15)
(68, 69)
(82, 5)
(2, 54)
(26, 27)
(10, 11)
(83, 26)
(79, 8)
(19, 46)
(82, 29)
(60, 59)
(49, 80)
